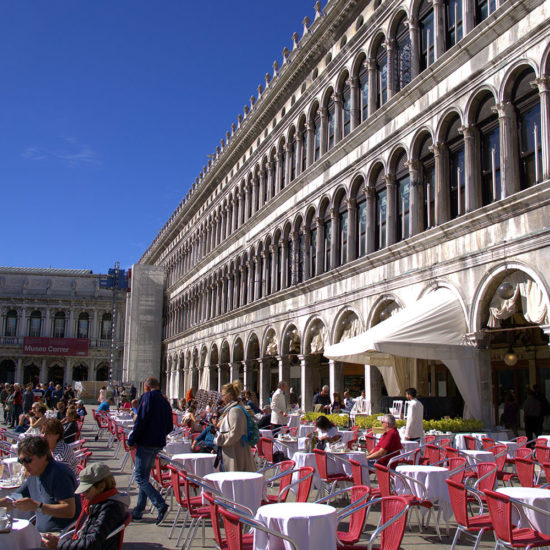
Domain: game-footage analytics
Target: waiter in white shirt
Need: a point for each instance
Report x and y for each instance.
(415, 427)
(361, 405)
(279, 406)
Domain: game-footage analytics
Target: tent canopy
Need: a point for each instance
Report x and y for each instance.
(432, 328)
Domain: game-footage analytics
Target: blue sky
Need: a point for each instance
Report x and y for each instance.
(109, 109)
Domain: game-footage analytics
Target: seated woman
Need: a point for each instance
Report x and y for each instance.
(53, 432)
(126, 404)
(190, 421)
(327, 432)
(61, 409)
(104, 510)
(70, 426)
(37, 417)
(205, 442)
(337, 404)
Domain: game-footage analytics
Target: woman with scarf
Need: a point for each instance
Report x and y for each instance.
(103, 510)
(233, 431)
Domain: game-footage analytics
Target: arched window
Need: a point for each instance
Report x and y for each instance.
(381, 75)
(269, 266)
(293, 156)
(312, 247)
(455, 146)
(279, 264)
(259, 274)
(283, 165)
(341, 232)
(83, 325)
(300, 257)
(244, 286)
(265, 180)
(453, 20)
(106, 326)
(484, 8)
(317, 135)
(331, 123)
(489, 146)
(364, 91)
(427, 177)
(402, 186)
(35, 324)
(10, 329)
(402, 55)
(346, 106)
(427, 36)
(527, 106)
(361, 220)
(303, 134)
(59, 325)
(289, 260)
(381, 209)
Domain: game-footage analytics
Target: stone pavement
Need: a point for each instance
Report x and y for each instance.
(148, 536)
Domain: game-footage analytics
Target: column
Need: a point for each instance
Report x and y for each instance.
(19, 371)
(307, 252)
(338, 111)
(414, 33)
(262, 188)
(265, 274)
(220, 377)
(244, 283)
(264, 384)
(257, 279)
(234, 371)
(67, 374)
(306, 387)
(373, 387)
(544, 93)
(469, 11)
(274, 261)
(335, 239)
(391, 223)
(336, 377)
(439, 27)
(471, 168)
(288, 165)
(47, 330)
(255, 201)
(284, 368)
(355, 113)
(390, 49)
(324, 129)
(21, 328)
(278, 172)
(230, 292)
(352, 229)
(284, 263)
(310, 150)
(299, 151)
(442, 207)
(250, 282)
(373, 85)
(294, 258)
(44, 372)
(247, 202)
(247, 374)
(319, 267)
(509, 160)
(242, 208)
(271, 173)
(235, 217)
(370, 193)
(416, 210)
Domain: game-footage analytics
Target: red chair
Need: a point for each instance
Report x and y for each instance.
(443, 442)
(101, 421)
(542, 453)
(451, 452)
(265, 449)
(429, 439)
(322, 470)
(499, 451)
(303, 483)
(360, 475)
(432, 454)
(83, 460)
(370, 441)
(471, 442)
(358, 494)
(284, 477)
(486, 478)
(546, 468)
(487, 443)
(293, 431)
(391, 526)
(474, 526)
(175, 420)
(457, 465)
(521, 440)
(525, 469)
(506, 535)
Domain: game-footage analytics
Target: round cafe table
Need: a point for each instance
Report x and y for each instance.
(305, 429)
(199, 464)
(246, 488)
(23, 535)
(312, 526)
(177, 447)
(535, 497)
(293, 420)
(473, 457)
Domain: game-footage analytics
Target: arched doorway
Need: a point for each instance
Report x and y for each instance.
(7, 371)
(55, 374)
(102, 373)
(80, 373)
(31, 373)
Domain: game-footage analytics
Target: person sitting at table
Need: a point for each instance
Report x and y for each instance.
(48, 491)
(104, 406)
(389, 444)
(134, 409)
(189, 420)
(22, 424)
(81, 409)
(70, 426)
(126, 404)
(104, 510)
(265, 421)
(321, 400)
(249, 402)
(327, 432)
(61, 410)
(205, 442)
(37, 417)
(52, 431)
(233, 431)
(337, 404)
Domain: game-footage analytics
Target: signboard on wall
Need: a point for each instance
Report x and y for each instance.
(60, 347)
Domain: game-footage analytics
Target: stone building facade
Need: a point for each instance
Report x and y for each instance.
(399, 146)
(56, 324)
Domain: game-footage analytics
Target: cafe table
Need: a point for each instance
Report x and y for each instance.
(305, 429)
(198, 464)
(473, 457)
(23, 535)
(312, 526)
(246, 488)
(535, 497)
(294, 420)
(177, 447)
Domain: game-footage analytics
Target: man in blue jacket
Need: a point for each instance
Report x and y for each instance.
(153, 422)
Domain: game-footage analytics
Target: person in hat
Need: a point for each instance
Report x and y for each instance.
(103, 510)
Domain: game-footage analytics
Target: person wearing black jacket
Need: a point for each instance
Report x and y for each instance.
(153, 423)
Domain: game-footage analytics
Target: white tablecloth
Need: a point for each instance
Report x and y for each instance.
(177, 448)
(287, 446)
(266, 433)
(535, 497)
(11, 466)
(293, 420)
(347, 435)
(511, 447)
(312, 526)
(433, 477)
(246, 488)
(22, 536)
(497, 436)
(339, 465)
(199, 464)
(305, 429)
(473, 457)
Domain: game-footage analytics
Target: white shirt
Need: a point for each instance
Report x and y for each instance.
(415, 414)
(361, 405)
(278, 407)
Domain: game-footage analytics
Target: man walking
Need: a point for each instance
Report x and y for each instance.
(415, 415)
(278, 406)
(153, 423)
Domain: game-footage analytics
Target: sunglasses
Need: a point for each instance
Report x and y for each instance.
(25, 460)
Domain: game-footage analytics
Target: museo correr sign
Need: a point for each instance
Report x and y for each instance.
(65, 347)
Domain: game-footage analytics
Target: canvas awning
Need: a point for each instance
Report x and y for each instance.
(432, 328)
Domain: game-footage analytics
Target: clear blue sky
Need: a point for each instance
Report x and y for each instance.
(109, 108)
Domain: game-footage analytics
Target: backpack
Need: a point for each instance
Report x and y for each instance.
(252, 431)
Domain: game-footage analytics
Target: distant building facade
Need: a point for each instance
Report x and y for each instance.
(56, 324)
(399, 146)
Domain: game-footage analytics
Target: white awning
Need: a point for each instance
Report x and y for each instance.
(432, 328)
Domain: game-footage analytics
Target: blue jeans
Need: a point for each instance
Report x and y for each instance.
(145, 458)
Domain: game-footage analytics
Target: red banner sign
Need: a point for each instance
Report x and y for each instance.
(65, 347)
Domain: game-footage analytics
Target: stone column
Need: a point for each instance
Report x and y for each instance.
(284, 261)
(47, 330)
(442, 206)
(338, 117)
(472, 164)
(262, 188)
(416, 210)
(310, 149)
(373, 85)
(67, 374)
(234, 371)
(370, 194)
(19, 371)
(509, 159)
(543, 85)
(235, 217)
(264, 274)
(247, 202)
(270, 175)
(324, 130)
(391, 222)
(414, 33)
(264, 383)
(274, 260)
(22, 324)
(307, 252)
(355, 111)
(319, 268)
(242, 208)
(299, 151)
(288, 165)
(251, 273)
(284, 368)
(278, 172)
(336, 377)
(255, 195)
(439, 27)
(469, 17)
(335, 239)
(390, 50)
(230, 292)
(44, 372)
(306, 382)
(352, 229)
(247, 374)
(373, 388)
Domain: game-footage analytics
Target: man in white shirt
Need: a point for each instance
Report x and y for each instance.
(415, 414)
(361, 405)
(279, 406)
